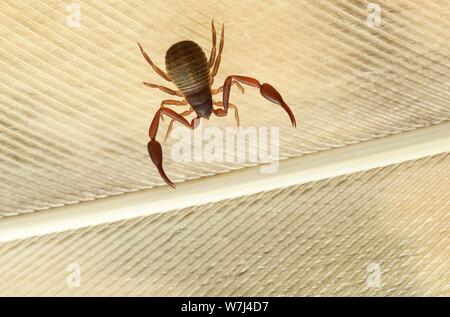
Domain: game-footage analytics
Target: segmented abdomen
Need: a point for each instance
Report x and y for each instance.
(187, 65)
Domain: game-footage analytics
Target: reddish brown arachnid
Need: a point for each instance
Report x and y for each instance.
(193, 75)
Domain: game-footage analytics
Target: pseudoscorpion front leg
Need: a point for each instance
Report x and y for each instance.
(266, 90)
(170, 102)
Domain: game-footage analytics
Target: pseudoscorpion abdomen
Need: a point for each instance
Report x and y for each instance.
(187, 66)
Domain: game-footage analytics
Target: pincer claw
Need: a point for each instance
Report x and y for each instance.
(155, 152)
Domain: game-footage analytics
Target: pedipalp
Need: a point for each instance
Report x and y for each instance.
(266, 90)
(153, 146)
